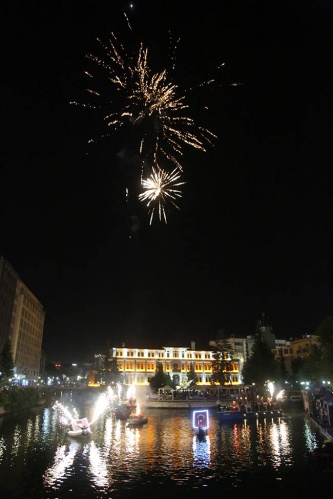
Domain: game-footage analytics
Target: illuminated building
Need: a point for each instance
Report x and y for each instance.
(139, 364)
(23, 324)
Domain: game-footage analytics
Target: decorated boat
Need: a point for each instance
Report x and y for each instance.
(323, 455)
(200, 423)
(122, 411)
(246, 413)
(79, 428)
(137, 420)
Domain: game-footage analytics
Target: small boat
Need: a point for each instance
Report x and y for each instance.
(79, 428)
(200, 422)
(323, 455)
(137, 420)
(122, 411)
(246, 413)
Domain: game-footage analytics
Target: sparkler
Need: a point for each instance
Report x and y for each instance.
(67, 416)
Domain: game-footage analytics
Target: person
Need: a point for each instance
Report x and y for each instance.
(201, 433)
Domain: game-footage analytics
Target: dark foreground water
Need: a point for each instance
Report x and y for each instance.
(161, 459)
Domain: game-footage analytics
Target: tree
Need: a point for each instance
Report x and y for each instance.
(311, 368)
(222, 365)
(191, 375)
(282, 370)
(325, 332)
(261, 366)
(6, 363)
(111, 373)
(160, 378)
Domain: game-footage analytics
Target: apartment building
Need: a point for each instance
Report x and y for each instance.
(22, 322)
(8, 281)
(302, 346)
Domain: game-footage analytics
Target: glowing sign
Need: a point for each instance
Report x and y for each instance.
(201, 419)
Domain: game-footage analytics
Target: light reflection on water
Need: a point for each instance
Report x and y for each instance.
(164, 457)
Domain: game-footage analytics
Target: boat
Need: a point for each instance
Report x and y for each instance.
(122, 411)
(246, 413)
(79, 428)
(200, 422)
(323, 455)
(137, 420)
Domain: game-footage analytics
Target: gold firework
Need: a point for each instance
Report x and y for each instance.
(161, 187)
(134, 94)
(127, 92)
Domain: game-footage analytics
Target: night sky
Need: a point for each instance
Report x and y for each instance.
(253, 233)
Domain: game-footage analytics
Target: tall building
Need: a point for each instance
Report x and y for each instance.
(302, 347)
(22, 322)
(8, 281)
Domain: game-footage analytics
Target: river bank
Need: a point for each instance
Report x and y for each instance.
(17, 399)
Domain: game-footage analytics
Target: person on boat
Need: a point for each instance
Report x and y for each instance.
(327, 447)
(321, 455)
(201, 433)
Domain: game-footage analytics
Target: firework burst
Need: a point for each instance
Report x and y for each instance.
(136, 95)
(128, 93)
(160, 188)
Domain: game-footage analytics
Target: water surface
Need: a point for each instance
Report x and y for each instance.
(162, 458)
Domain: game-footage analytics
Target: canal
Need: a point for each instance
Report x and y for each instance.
(161, 459)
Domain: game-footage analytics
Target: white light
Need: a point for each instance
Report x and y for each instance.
(200, 417)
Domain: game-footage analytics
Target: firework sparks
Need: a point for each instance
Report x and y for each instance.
(160, 188)
(100, 407)
(138, 96)
(127, 91)
(67, 416)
